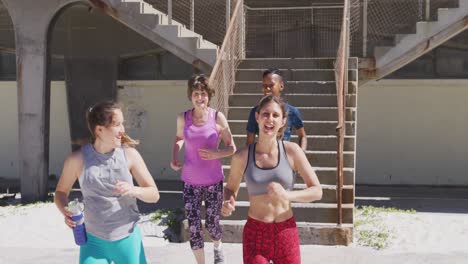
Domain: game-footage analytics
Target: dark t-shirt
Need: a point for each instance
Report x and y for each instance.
(294, 120)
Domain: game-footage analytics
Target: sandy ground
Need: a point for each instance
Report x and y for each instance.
(442, 233)
(37, 234)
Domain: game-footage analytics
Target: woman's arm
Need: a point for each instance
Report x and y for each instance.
(146, 189)
(178, 143)
(298, 159)
(301, 134)
(72, 168)
(236, 172)
(226, 137)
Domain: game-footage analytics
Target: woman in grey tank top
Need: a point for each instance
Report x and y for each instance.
(268, 166)
(105, 170)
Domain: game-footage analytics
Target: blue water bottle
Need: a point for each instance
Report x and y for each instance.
(79, 231)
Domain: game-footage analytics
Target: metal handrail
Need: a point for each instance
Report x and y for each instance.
(226, 37)
(341, 73)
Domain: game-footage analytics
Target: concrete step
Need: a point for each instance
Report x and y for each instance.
(178, 31)
(294, 74)
(311, 127)
(293, 87)
(326, 175)
(329, 193)
(296, 63)
(136, 11)
(328, 158)
(172, 190)
(319, 158)
(450, 21)
(307, 113)
(321, 143)
(297, 100)
(309, 233)
(142, 18)
(303, 212)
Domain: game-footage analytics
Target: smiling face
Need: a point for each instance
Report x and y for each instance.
(270, 118)
(200, 98)
(199, 92)
(111, 134)
(272, 84)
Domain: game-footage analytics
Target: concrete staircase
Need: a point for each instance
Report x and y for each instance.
(151, 23)
(404, 48)
(311, 87)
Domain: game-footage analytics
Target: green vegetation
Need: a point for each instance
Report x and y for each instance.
(172, 219)
(370, 229)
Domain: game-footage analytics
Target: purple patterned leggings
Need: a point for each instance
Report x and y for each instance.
(213, 197)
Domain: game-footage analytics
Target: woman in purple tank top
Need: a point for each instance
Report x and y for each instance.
(201, 129)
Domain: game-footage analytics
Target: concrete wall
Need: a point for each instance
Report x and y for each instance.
(9, 134)
(151, 108)
(413, 132)
(150, 113)
(59, 133)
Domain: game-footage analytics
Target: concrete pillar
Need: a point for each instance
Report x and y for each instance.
(31, 19)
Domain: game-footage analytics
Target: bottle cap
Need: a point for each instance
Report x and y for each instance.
(75, 207)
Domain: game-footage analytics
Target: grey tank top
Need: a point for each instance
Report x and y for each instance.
(257, 179)
(107, 215)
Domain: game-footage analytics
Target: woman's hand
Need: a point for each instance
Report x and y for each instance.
(176, 165)
(228, 207)
(124, 188)
(70, 223)
(277, 192)
(208, 154)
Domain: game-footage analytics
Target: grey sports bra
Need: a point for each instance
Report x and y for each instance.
(257, 179)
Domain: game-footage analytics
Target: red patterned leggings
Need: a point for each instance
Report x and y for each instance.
(279, 242)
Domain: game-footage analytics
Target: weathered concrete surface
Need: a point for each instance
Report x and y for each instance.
(89, 80)
(37, 234)
(429, 35)
(152, 24)
(309, 233)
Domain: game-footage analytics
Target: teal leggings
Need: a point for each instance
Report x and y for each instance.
(128, 250)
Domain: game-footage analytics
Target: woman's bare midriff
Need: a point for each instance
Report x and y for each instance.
(264, 208)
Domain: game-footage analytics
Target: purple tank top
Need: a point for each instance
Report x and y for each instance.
(197, 171)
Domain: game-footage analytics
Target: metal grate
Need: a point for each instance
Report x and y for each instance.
(293, 32)
(222, 77)
(386, 18)
(209, 18)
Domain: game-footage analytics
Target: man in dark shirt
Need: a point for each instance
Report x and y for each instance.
(272, 83)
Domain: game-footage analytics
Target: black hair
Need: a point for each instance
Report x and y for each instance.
(273, 71)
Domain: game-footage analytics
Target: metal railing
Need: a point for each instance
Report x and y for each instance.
(232, 51)
(209, 18)
(288, 32)
(341, 76)
(308, 31)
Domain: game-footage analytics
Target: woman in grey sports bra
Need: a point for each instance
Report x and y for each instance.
(268, 166)
(105, 170)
